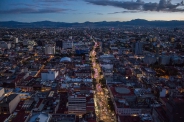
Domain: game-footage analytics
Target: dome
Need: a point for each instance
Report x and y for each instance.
(122, 90)
(65, 59)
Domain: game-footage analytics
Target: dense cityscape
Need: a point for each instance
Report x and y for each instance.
(91, 61)
(130, 74)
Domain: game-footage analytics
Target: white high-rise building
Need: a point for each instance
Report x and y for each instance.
(49, 49)
(16, 40)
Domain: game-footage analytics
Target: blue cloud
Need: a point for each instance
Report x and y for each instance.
(32, 10)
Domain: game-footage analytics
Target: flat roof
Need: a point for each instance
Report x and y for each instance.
(8, 98)
(63, 118)
(40, 116)
(122, 90)
(129, 118)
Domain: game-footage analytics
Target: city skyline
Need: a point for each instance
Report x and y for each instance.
(90, 10)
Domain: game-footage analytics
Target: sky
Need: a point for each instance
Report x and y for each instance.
(90, 10)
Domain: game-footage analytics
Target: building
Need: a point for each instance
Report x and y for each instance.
(49, 49)
(80, 103)
(125, 101)
(16, 40)
(159, 115)
(1, 91)
(165, 59)
(137, 73)
(9, 103)
(137, 48)
(107, 65)
(39, 117)
(49, 75)
(172, 112)
(129, 119)
(83, 73)
(150, 59)
(62, 118)
(67, 44)
(29, 43)
(77, 104)
(175, 110)
(5, 45)
(65, 59)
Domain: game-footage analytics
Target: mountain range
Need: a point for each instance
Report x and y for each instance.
(50, 24)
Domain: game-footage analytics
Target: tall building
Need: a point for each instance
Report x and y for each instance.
(9, 103)
(175, 110)
(137, 48)
(100, 46)
(49, 49)
(76, 104)
(80, 103)
(1, 91)
(172, 112)
(73, 47)
(157, 51)
(16, 40)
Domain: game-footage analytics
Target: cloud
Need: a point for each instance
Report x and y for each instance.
(49, 0)
(24, 4)
(37, 7)
(97, 13)
(32, 11)
(162, 5)
(124, 12)
(127, 5)
(54, 0)
(150, 6)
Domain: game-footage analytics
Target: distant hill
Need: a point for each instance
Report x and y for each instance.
(49, 24)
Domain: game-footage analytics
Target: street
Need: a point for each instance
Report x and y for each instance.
(102, 108)
(43, 66)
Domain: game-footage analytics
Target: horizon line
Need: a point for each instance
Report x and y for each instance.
(89, 21)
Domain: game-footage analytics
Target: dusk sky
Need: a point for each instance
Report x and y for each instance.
(90, 10)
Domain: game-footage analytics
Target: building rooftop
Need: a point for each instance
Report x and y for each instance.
(129, 118)
(8, 99)
(40, 117)
(63, 118)
(120, 91)
(64, 59)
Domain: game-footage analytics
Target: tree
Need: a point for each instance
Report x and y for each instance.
(94, 83)
(110, 103)
(103, 81)
(101, 73)
(93, 72)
